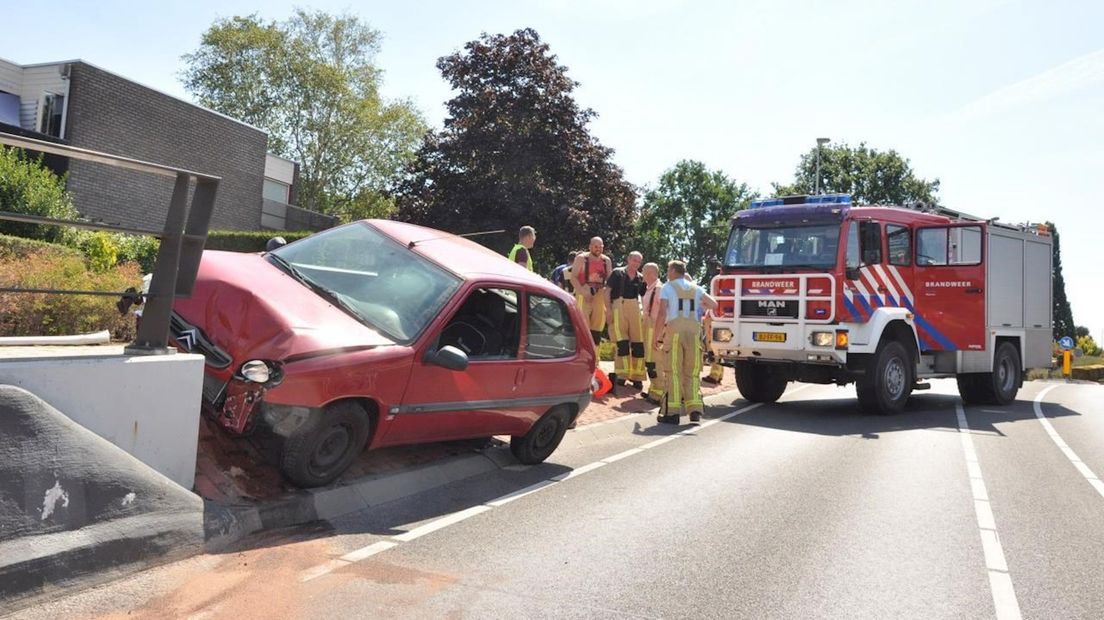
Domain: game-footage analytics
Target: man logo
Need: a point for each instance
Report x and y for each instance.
(772, 311)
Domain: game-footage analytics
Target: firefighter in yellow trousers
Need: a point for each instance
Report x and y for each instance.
(626, 323)
(653, 358)
(716, 370)
(588, 278)
(678, 334)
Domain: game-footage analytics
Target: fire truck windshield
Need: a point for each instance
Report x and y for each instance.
(813, 247)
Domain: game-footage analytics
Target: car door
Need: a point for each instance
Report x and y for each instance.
(554, 368)
(950, 287)
(482, 400)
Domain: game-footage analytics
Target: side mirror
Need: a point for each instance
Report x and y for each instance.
(275, 242)
(448, 357)
(852, 273)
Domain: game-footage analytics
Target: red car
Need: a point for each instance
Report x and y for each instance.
(380, 333)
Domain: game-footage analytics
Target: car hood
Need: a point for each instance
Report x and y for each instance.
(251, 309)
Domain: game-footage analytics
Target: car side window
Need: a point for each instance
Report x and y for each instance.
(948, 245)
(899, 240)
(871, 234)
(486, 327)
(550, 333)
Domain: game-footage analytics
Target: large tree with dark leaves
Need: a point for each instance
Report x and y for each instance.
(869, 175)
(1063, 313)
(515, 151)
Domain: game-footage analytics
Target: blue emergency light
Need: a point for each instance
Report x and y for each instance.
(823, 199)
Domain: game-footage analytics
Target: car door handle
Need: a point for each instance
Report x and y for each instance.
(973, 291)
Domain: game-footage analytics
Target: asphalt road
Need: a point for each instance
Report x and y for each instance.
(805, 508)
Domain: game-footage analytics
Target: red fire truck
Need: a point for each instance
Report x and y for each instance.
(817, 290)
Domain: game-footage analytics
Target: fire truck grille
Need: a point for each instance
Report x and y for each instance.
(769, 308)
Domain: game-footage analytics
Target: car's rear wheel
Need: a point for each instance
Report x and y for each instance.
(325, 446)
(760, 383)
(543, 437)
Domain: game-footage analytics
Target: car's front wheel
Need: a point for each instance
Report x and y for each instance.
(543, 437)
(324, 447)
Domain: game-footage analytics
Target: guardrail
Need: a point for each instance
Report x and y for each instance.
(182, 238)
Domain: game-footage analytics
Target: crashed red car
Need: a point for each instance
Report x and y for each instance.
(379, 333)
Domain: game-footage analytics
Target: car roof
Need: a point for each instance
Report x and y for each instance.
(461, 256)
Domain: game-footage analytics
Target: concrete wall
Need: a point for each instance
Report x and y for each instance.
(115, 115)
(148, 406)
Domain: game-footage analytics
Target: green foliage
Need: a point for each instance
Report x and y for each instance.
(869, 175)
(248, 241)
(23, 314)
(1081, 330)
(687, 216)
(13, 248)
(515, 150)
(101, 251)
(1063, 312)
(1088, 346)
(606, 351)
(139, 250)
(27, 187)
(312, 83)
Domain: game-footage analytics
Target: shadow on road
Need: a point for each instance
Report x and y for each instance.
(843, 417)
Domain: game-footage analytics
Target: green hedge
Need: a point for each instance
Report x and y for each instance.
(249, 241)
(18, 247)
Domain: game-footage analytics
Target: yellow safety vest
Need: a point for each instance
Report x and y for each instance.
(528, 257)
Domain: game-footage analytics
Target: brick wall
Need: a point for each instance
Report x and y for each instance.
(114, 115)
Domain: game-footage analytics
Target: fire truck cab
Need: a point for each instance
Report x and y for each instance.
(817, 290)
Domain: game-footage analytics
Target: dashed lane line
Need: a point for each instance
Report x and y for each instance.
(1078, 464)
(456, 517)
(1000, 581)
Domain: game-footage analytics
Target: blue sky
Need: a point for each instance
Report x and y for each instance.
(1003, 100)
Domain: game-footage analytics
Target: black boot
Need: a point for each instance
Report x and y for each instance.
(695, 416)
(613, 379)
(638, 385)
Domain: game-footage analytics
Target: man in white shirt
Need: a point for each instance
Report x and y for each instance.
(678, 335)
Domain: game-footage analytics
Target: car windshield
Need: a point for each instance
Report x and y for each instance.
(782, 247)
(372, 277)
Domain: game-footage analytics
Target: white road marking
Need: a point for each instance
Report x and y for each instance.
(456, 517)
(443, 522)
(1000, 581)
(1087, 473)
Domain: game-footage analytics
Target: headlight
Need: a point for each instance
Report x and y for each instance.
(256, 371)
(823, 339)
(722, 334)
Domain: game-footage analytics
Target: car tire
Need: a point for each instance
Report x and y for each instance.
(325, 446)
(543, 437)
(759, 383)
(887, 384)
(971, 390)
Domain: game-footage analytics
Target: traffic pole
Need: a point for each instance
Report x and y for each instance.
(1066, 364)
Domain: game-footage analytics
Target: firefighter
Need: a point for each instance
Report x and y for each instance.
(626, 323)
(716, 370)
(521, 252)
(588, 277)
(653, 358)
(678, 333)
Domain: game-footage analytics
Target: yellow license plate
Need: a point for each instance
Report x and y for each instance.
(768, 336)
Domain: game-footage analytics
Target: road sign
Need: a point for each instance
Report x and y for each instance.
(1065, 343)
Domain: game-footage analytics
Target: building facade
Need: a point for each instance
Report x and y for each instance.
(82, 105)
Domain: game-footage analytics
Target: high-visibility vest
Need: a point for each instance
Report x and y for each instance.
(528, 257)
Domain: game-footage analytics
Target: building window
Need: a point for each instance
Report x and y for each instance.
(53, 108)
(275, 190)
(9, 109)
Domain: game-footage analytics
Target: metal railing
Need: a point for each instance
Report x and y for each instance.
(182, 238)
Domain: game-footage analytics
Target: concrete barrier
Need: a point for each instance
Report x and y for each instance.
(146, 405)
(76, 509)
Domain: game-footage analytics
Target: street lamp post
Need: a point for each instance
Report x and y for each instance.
(820, 142)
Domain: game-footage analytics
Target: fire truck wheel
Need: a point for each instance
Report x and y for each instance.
(972, 389)
(759, 383)
(325, 446)
(1002, 384)
(543, 437)
(887, 384)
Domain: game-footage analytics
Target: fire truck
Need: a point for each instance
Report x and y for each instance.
(817, 290)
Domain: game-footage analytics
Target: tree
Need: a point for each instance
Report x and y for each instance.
(515, 151)
(28, 187)
(1081, 331)
(869, 175)
(687, 216)
(311, 82)
(1063, 313)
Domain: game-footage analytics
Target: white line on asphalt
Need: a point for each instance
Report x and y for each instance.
(456, 517)
(443, 522)
(1088, 474)
(1000, 581)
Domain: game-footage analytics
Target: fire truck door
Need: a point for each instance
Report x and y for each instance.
(950, 287)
